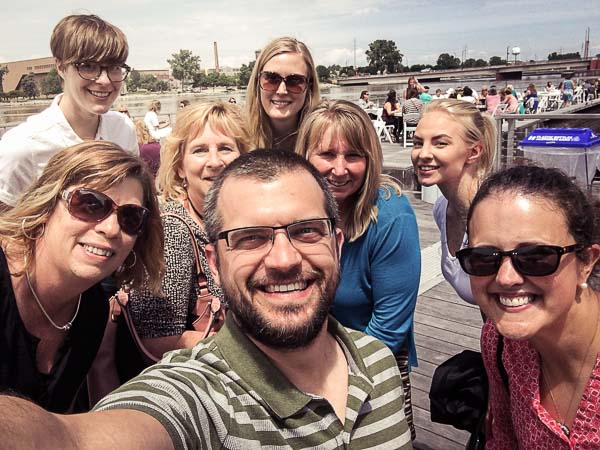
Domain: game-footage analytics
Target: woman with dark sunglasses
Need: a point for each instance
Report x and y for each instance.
(534, 247)
(283, 87)
(454, 147)
(91, 214)
(205, 139)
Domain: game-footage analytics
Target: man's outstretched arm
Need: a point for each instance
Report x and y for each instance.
(24, 425)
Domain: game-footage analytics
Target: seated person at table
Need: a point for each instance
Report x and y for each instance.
(412, 105)
(281, 373)
(365, 103)
(391, 106)
(533, 262)
(492, 100)
(531, 99)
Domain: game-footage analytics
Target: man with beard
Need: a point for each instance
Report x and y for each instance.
(281, 372)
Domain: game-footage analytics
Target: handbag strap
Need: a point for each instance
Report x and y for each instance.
(501, 368)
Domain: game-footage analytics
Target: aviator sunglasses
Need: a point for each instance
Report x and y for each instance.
(93, 206)
(532, 260)
(295, 84)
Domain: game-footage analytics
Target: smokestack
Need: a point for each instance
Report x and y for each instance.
(217, 68)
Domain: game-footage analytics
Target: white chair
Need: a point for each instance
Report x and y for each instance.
(543, 104)
(409, 124)
(500, 108)
(381, 130)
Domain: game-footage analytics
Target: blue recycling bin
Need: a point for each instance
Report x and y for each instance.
(574, 150)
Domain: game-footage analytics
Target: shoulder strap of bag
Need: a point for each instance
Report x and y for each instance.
(199, 272)
(499, 352)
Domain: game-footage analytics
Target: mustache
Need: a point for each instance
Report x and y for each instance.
(287, 277)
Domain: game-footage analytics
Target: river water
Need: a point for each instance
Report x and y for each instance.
(13, 113)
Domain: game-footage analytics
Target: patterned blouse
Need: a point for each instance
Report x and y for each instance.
(518, 419)
(168, 316)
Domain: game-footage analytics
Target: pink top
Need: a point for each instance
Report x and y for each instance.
(521, 421)
(491, 101)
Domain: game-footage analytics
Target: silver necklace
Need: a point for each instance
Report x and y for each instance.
(278, 141)
(67, 326)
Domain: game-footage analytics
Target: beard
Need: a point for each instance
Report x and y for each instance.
(257, 324)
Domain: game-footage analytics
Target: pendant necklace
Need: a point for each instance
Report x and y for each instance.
(278, 141)
(67, 326)
(561, 421)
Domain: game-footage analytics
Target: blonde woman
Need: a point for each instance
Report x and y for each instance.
(454, 147)
(205, 139)
(158, 128)
(92, 213)
(283, 87)
(381, 258)
(149, 147)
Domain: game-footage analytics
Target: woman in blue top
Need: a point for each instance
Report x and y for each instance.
(381, 261)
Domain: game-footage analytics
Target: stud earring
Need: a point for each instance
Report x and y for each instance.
(583, 285)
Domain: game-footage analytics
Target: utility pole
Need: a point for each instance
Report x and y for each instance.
(586, 48)
(354, 67)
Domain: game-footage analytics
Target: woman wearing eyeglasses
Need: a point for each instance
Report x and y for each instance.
(381, 258)
(533, 261)
(90, 56)
(91, 214)
(283, 87)
(205, 139)
(453, 148)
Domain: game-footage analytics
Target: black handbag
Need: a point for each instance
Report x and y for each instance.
(459, 393)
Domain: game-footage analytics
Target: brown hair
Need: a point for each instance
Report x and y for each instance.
(100, 165)
(86, 37)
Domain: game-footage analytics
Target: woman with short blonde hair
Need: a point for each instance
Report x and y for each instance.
(283, 87)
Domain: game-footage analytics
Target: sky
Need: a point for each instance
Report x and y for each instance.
(421, 29)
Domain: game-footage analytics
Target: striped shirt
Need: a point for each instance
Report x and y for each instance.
(225, 393)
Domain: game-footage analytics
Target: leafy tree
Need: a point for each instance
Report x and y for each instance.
(184, 65)
(245, 72)
(497, 61)
(335, 69)
(3, 71)
(29, 86)
(447, 61)
(323, 73)
(558, 56)
(366, 70)
(348, 71)
(133, 81)
(16, 94)
(419, 67)
(51, 84)
(384, 56)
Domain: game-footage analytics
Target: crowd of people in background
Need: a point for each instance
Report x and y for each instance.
(113, 229)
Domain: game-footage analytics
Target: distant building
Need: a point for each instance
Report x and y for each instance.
(18, 69)
(161, 74)
(229, 71)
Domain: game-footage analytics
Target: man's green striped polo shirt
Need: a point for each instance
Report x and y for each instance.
(225, 393)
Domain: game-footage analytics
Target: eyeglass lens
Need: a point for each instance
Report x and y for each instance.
(270, 81)
(93, 71)
(92, 206)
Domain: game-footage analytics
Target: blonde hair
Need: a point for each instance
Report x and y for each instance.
(260, 125)
(223, 117)
(477, 128)
(87, 37)
(95, 164)
(154, 106)
(350, 122)
(142, 132)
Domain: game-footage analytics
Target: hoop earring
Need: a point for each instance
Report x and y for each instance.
(34, 238)
(122, 268)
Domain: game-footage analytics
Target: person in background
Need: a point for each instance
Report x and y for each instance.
(510, 100)
(451, 93)
(412, 105)
(232, 100)
(492, 99)
(158, 128)
(413, 83)
(91, 213)
(531, 99)
(124, 110)
(391, 106)
(380, 258)
(454, 147)
(567, 90)
(184, 103)
(550, 87)
(482, 95)
(149, 147)
(365, 103)
(425, 96)
(467, 95)
(283, 87)
(533, 262)
(90, 56)
(205, 139)
(438, 94)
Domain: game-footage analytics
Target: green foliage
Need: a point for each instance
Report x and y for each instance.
(51, 84)
(184, 65)
(559, 56)
(497, 61)
(447, 61)
(419, 67)
(347, 71)
(3, 71)
(245, 72)
(16, 94)
(366, 70)
(384, 56)
(29, 86)
(214, 79)
(133, 81)
(152, 84)
(472, 62)
(323, 73)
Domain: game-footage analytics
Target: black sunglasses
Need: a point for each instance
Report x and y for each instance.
(296, 84)
(532, 260)
(93, 206)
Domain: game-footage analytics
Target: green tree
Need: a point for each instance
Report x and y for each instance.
(384, 56)
(447, 61)
(334, 69)
(29, 86)
(3, 71)
(558, 56)
(497, 61)
(184, 65)
(133, 81)
(245, 72)
(51, 84)
(323, 73)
